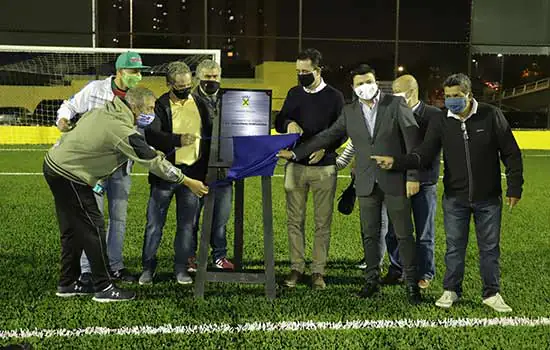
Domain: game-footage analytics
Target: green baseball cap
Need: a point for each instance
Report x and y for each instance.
(129, 60)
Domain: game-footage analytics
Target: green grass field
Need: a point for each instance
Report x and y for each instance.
(29, 252)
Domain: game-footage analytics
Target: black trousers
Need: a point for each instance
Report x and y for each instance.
(399, 212)
(82, 227)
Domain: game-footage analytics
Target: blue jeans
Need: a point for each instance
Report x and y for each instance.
(187, 206)
(223, 203)
(424, 205)
(487, 219)
(117, 189)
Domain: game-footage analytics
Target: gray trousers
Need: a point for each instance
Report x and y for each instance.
(399, 211)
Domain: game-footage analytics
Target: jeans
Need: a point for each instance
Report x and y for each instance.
(424, 205)
(223, 203)
(117, 189)
(487, 219)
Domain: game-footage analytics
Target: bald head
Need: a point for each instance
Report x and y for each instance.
(407, 87)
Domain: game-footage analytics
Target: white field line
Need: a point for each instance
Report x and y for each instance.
(276, 326)
(145, 174)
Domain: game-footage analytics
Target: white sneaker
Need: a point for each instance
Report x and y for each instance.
(447, 299)
(497, 303)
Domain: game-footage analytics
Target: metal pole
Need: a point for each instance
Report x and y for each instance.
(94, 19)
(470, 40)
(300, 23)
(396, 48)
(131, 23)
(205, 41)
(501, 81)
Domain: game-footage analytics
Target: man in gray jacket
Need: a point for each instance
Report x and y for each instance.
(102, 141)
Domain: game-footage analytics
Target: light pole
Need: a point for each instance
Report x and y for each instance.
(501, 85)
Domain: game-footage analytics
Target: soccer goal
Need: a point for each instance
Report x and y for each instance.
(34, 81)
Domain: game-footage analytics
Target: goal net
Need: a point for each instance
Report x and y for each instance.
(35, 80)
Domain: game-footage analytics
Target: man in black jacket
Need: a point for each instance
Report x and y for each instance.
(424, 203)
(181, 129)
(474, 137)
(209, 75)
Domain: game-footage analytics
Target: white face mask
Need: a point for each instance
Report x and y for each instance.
(366, 91)
(404, 95)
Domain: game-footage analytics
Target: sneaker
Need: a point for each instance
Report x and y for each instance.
(146, 277)
(293, 279)
(86, 278)
(317, 281)
(447, 299)
(113, 293)
(183, 278)
(74, 289)
(424, 284)
(497, 303)
(224, 264)
(362, 264)
(192, 264)
(123, 275)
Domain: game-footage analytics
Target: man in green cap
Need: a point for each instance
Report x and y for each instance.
(117, 187)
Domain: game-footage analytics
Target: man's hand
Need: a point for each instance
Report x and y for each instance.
(188, 139)
(285, 154)
(63, 125)
(315, 157)
(196, 186)
(511, 202)
(383, 162)
(294, 128)
(412, 188)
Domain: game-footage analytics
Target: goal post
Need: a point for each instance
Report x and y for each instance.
(35, 80)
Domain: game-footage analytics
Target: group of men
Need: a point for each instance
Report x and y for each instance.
(397, 141)
(109, 125)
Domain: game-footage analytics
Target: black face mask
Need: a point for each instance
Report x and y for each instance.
(210, 87)
(306, 79)
(182, 94)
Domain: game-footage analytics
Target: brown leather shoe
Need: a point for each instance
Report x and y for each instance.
(424, 284)
(292, 279)
(317, 281)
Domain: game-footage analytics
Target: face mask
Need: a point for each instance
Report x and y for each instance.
(306, 79)
(366, 91)
(145, 119)
(131, 80)
(210, 87)
(404, 95)
(456, 104)
(182, 94)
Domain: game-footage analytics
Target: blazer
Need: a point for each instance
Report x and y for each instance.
(395, 133)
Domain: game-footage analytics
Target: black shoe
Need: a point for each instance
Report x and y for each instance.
(123, 275)
(86, 278)
(413, 294)
(74, 289)
(113, 293)
(391, 279)
(369, 290)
